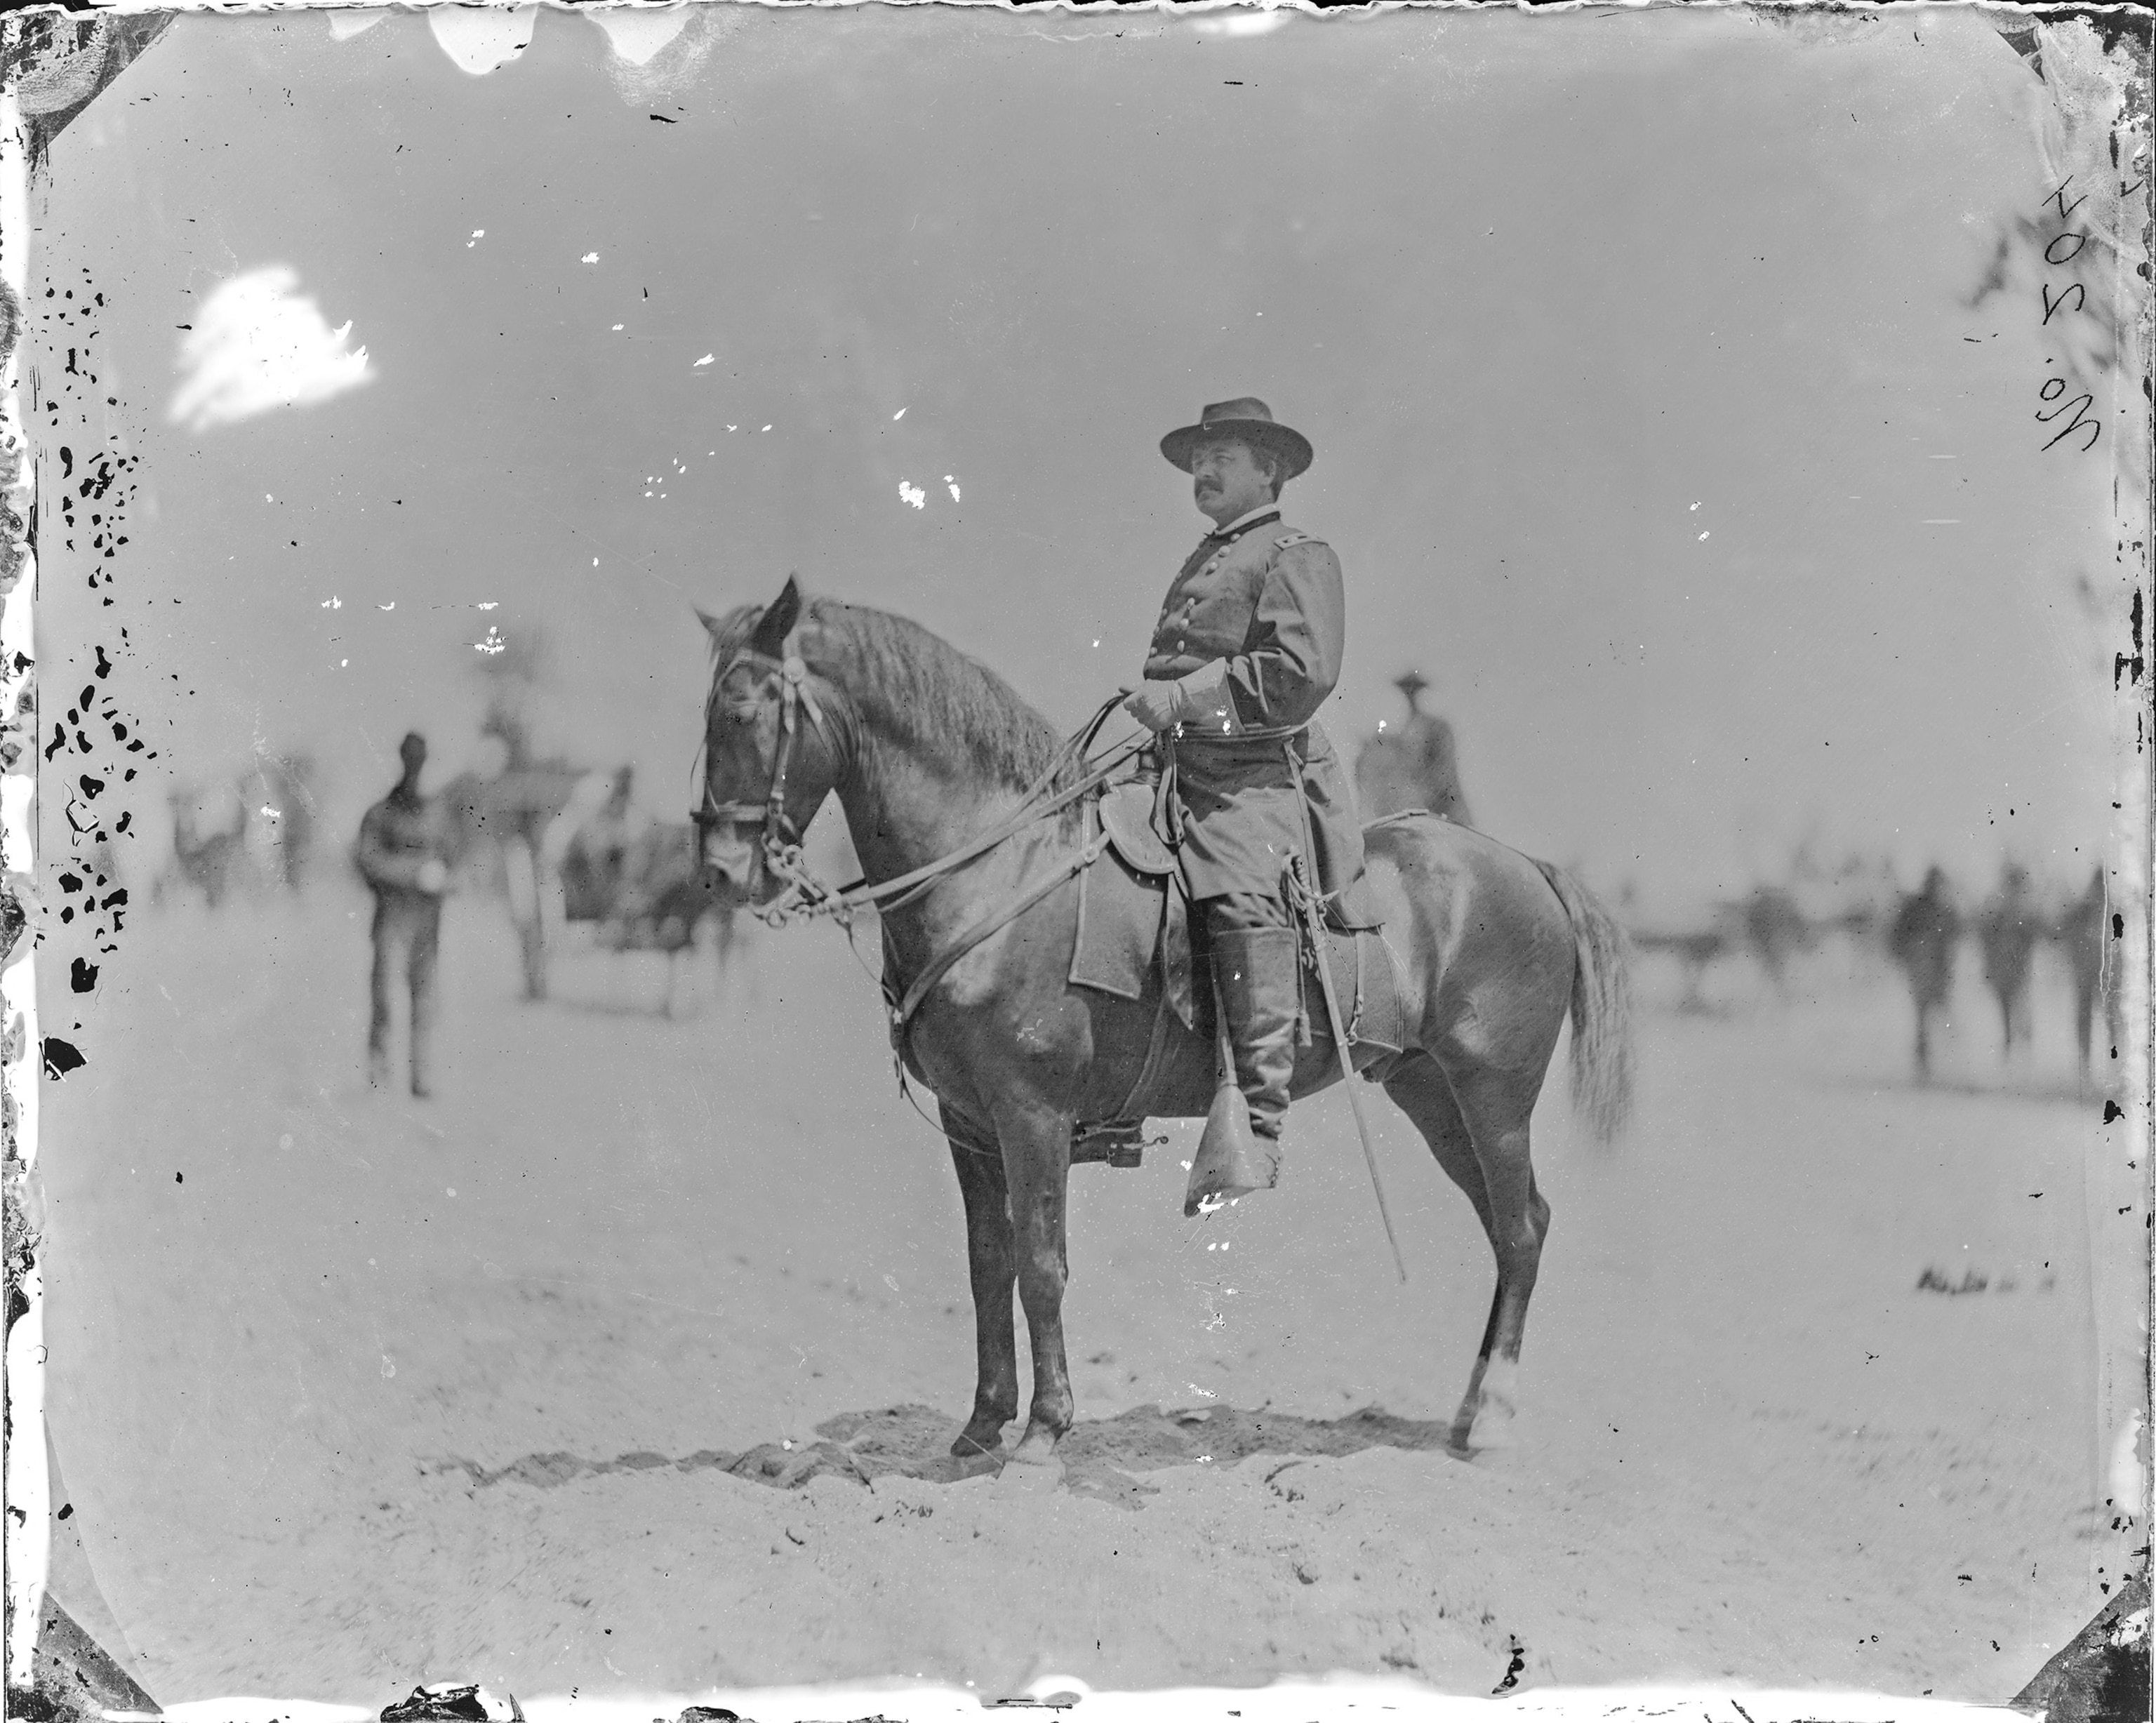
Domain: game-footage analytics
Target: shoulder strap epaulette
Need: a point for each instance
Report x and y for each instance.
(1292, 538)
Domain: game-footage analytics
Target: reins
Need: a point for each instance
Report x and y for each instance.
(806, 897)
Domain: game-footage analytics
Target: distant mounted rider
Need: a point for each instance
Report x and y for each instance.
(1415, 765)
(1248, 646)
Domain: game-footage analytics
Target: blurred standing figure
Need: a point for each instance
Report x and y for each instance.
(1925, 931)
(2084, 930)
(1416, 766)
(404, 855)
(2007, 930)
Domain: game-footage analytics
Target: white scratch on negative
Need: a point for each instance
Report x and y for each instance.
(333, 603)
(705, 359)
(391, 605)
(591, 257)
(912, 494)
(953, 483)
(478, 235)
(1954, 522)
(617, 327)
(1702, 537)
(897, 416)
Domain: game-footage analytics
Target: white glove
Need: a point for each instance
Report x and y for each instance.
(433, 878)
(1157, 706)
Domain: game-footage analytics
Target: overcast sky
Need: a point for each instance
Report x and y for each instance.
(1651, 419)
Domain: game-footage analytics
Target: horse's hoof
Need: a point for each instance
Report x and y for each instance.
(978, 1443)
(1038, 1449)
(1484, 1426)
(1492, 1431)
(1483, 1422)
(1033, 1468)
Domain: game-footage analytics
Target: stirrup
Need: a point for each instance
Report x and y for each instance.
(1120, 1142)
(1232, 1159)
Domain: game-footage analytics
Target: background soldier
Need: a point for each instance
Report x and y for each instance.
(404, 856)
(1248, 646)
(1926, 928)
(1415, 766)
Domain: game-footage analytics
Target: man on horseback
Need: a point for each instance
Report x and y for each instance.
(1248, 646)
(1416, 765)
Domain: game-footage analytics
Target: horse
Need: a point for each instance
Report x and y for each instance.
(659, 899)
(1925, 931)
(935, 760)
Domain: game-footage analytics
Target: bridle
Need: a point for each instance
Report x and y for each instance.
(804, 896)
(778, 838)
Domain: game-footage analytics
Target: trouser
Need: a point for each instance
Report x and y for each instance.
(1254, 953)
(407, 933)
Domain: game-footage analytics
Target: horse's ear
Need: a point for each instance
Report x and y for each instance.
(777, 621)
(712, 625)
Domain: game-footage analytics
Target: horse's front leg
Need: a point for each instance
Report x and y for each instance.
(989, 1259)
(1036, 1145)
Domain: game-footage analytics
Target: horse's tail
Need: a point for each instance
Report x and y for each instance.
(1601, 1008)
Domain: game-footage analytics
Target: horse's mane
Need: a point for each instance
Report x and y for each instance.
(912, 685)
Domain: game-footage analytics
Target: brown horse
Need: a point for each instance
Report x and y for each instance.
(928, 751)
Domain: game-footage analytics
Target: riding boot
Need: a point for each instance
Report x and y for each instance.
(1257, 976)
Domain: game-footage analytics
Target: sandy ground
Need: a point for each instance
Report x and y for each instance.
(351, 1392)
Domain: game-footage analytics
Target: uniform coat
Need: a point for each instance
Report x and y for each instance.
(1253, 631)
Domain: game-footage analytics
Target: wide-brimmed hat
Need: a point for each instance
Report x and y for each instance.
(1411, 684)
(1247, 418)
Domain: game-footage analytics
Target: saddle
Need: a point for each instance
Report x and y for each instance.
(1133, 942)
(1132, 820)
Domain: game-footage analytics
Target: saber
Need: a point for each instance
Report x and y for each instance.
(1313, 919)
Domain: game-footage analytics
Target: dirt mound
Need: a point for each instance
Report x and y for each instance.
(1099, 1456)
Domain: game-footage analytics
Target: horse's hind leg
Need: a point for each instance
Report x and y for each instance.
(993, 1270)
(1492, 1168)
